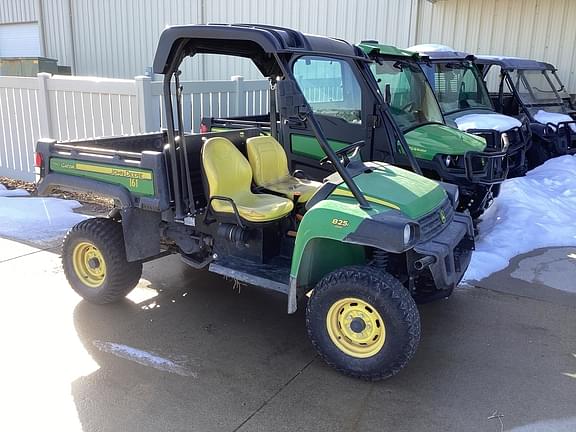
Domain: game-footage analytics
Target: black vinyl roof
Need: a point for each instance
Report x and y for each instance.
(511, 63)
(255, 41)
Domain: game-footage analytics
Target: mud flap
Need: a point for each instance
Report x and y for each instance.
(141, 233)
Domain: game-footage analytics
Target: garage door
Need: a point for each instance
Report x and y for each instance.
(19, 40)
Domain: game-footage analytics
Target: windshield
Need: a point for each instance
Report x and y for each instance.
(404, 87)
(330, 87)
(458, 86)
(539, 88)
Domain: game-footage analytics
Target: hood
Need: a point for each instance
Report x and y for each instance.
(388, 187)
(429, 140)
(546, 117)
(482, 119)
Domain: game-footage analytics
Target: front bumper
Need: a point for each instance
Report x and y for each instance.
(519, 143)
(451, 249)
(484, 168)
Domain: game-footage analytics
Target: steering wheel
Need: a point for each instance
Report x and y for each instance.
(343, 153)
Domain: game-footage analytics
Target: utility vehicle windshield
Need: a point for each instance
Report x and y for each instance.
(404, 87)
(330, 87)
(539, 88)
(458, 86)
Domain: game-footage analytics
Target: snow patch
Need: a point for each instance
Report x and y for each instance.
(531, 212)
(144, 358)
(554, 425)
(12, 193)
(499, 122)
(546, 117)
(431, 48)
(36, 219)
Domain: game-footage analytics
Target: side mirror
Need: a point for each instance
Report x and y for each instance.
(290, 100)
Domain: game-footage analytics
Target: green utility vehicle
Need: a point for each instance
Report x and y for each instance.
(361, 245)
(404, 105)
(442, 152)
(531, 91)
(466, 105)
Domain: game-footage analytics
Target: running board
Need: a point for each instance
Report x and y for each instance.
(274, 276)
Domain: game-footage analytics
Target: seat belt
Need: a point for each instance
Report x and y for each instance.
(273, 115)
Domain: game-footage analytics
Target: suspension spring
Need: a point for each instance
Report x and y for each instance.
(380, 259)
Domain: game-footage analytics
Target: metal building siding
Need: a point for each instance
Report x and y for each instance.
(118, 38)
(387, 21)
(16, 11)
(57, 30)
(538, 29)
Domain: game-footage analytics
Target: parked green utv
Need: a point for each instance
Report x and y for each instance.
(442, 152)
(466, 105)
(361, 245)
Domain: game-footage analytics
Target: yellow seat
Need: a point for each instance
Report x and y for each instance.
(270, 168)
(228, 174)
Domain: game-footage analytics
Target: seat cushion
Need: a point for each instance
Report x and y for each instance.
(289, 185)
(270, 167)
(256, 207)
(228, 174)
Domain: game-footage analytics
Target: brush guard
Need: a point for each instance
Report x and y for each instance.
(563, 136)
(518, 144)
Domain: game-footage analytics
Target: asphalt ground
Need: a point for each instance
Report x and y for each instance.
(211, 356)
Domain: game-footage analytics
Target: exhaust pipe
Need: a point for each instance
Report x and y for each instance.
(422, 263)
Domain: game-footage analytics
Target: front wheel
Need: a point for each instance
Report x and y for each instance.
(94, 261)
(363, 322)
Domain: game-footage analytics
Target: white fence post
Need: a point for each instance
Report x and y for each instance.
(145, 101)
(239, 96)
(45, 116)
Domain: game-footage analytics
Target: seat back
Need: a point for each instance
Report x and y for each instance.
(227, 171)
(267, 159)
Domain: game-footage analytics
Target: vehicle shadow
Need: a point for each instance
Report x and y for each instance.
(238, 342)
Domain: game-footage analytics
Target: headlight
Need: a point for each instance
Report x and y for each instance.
(456, 198)
(505, 141)
(407, 234)
(448, 160)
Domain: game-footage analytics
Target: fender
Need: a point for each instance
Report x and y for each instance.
(52, 181)
(141, 230)
(333, 234)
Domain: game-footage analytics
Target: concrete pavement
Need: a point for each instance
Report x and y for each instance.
(485, 350)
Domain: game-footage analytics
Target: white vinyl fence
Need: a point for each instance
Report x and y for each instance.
(67, 108)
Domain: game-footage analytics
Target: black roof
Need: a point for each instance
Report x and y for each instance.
(256, 41)
(511, 63)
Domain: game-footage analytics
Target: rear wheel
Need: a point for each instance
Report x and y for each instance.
(94, 261)
(363, 322)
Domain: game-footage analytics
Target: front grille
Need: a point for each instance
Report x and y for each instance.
(432, 223)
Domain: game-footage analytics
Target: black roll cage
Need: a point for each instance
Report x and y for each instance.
(507, 65)
(267, 47)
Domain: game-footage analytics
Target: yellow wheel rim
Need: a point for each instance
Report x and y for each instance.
(356, 327)
(89, 264)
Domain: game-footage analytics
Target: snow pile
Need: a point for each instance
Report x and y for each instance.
(498, 122)
(546, 117)
(531, 212)
(35, 219)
